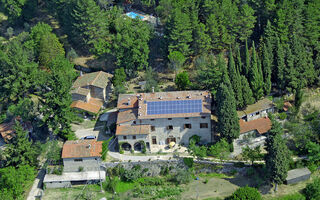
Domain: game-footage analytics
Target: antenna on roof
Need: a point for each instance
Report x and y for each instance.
(178, 97)
(189, 96)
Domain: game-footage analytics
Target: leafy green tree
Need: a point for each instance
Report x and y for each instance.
(251, 154)
(197, 151)
(182, 81)
(228, 122)
(267, 58)
(179, 32)
(246, 92)
(151, 82)
(20, 150)
(220, 150)
(256, 79)
(25, 108)
(182, 176)
(37, 33)
(311, 25)
(313, 152)
(235, 80)
(119, 80)
(312, 190)
(14, 181)
(201, 39)
(49, 48)
(56, 98)
(176, 59)
(277, 159)
(14, 8)
(246, 193)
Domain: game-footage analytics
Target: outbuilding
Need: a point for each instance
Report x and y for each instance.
(298, 175)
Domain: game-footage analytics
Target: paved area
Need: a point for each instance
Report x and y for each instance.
(96, 131)
(124, 157)
(36, 190)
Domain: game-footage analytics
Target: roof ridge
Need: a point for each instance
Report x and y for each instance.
(95, 78)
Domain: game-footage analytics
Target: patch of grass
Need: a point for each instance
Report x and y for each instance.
(3, 17)
(296, 196)
(124, 186)
(214, 175)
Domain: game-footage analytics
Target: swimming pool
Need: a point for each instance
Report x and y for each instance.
(134, 15)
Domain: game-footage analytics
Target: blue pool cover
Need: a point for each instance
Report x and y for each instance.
(134, 15)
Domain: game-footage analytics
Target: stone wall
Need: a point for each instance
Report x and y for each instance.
(58, 184)
(88, 164)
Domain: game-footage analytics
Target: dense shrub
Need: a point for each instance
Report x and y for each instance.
(312, 191)
(182, 177)
(195, 138)
(282, 116)
(188, 162)
(148, 181)
(245, 193)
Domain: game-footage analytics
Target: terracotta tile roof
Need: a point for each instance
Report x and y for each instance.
(82, 91)
(286, 106)
(262, 104)
(133, 129)
(93, 105)
(81, 149)
(124, 99)
(262, 125)
(7, 130)
(127, 115)
(99, 79)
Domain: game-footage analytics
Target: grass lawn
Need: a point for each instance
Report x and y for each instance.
(125, 186)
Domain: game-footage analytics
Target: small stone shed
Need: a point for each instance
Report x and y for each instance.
(298, 175)
(73, 178)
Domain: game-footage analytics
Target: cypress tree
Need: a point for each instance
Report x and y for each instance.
(291, 75)
(246, 66)
(277, 158)
(255, 75)
(201, 39)
(246, 92)
(228, 122)
(280, 65)
(267, 67)
(238, 59)
(235, 80)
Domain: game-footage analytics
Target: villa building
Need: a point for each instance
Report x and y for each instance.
(157, 119)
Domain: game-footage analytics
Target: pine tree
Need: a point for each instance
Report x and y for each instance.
(246, 92)
(246, 22)
(239, 66)
(201, 39)
(246, 65)
(280, 66)
(277, 159)
(267, 59)
(235, 80)
(213, 31)
(291, 74)
(228, 122)
(179, 32)
(312, 22)
(255, 74)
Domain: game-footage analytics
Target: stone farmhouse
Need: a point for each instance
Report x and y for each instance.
(81, 155)
(90, 91)
(157, 119)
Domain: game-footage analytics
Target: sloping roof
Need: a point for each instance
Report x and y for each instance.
(75, 176)
(133, 129)
(7, 130)
(93, 105)
(127, 115)
(99, 79)
(262, 125)
(260, 105)
(124, 99)
(81, 149)
(295, 173)
(81, 91)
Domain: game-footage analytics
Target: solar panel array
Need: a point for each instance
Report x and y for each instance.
(174, 107)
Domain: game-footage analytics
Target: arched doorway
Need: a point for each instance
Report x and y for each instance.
(138, 146)
(126, 146)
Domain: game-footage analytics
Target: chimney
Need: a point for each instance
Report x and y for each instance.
(129, 101)
(81, 74)
(152, 89)
(89, 146)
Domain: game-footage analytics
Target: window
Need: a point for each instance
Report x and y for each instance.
(154, 140)
(203, 117)
(187, 126)
(170, 127)
(134, 122)
(153, 128)
(78, 160)
(186, 118)
(257, 113)
(203, 125)
(169, 118)
(124, 137)
(134, 137)
(152, 119)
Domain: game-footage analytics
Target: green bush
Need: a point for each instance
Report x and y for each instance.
(188, 162)
(312, 191)
(182, 176)
(245, 193)
(195, 138)
(283, 116)
(239, 164)
(296, 196)
(80, 169)
(148, 181)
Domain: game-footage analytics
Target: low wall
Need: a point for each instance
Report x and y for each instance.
(155, 167)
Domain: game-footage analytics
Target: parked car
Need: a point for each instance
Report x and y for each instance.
(89, 137)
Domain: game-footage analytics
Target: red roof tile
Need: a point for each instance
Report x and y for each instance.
(286, 106)
(81, 149)
(93, 105)
(133, 129)
(262, 125)
(127, 115)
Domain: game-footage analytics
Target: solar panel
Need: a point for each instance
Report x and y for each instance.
(174, 107)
